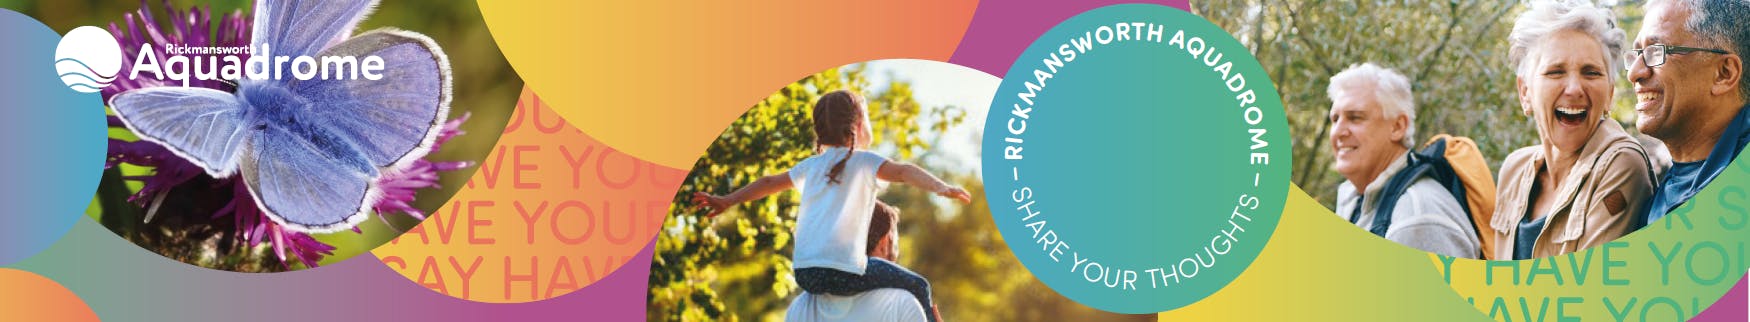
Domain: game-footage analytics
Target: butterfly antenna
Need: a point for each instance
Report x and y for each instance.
(157, 201)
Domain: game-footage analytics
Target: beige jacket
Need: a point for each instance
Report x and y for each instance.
(1603, 193)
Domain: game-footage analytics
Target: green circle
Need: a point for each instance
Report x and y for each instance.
(1133, 156)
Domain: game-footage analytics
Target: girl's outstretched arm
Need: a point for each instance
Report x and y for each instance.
(758, 189)
(895, 171)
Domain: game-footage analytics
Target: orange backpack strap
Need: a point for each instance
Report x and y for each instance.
(1469, 165)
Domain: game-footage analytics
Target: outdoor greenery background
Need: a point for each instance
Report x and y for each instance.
(485, 86)
(737, 266)
(1454, 52)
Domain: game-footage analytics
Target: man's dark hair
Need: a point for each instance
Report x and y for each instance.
(886, 222)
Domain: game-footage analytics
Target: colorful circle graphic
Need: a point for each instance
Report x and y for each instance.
(1137, 158)
(52, 137)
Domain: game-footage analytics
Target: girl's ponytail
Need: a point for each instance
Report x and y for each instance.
(836, 116)
(833, 176)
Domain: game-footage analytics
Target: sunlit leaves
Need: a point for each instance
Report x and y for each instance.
(743, 255)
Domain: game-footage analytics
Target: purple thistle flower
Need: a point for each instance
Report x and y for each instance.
(186, 28)
(174, 176)
(399, 187)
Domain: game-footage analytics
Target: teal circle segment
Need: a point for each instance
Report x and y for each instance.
(1136, 158)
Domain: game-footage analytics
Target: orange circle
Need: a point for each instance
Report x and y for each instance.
(551, 210)
(31, 297)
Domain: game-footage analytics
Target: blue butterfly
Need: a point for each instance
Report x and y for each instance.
(310, 151)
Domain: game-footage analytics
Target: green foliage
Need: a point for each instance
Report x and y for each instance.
(1454, 52)
(971, 269)
(743, 254)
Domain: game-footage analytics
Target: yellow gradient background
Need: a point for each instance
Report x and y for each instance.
(659, 80)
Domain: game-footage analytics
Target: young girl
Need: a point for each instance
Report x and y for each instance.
(838, 186)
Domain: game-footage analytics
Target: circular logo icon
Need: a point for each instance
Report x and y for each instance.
(1136, 158)
(88, 59)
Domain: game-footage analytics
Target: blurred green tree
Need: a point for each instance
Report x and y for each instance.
(702, 265)
(1454, 52)
(974, 274)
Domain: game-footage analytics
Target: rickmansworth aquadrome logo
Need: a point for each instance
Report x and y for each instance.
(88, 59)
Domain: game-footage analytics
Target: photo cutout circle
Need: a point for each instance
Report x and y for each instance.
(1395, 148)
(281, 135)
(1557, 168)
(763, 225)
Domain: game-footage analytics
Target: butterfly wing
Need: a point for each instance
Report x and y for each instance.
(317, 171)
(303, 28)
(302, 184)
(201, 125)
(395, 119)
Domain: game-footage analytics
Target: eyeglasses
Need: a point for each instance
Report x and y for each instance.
(1655, 54)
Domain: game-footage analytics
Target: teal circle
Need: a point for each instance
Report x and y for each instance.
(1135, 155)
(53, 138)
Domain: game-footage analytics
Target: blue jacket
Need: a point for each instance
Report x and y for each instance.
(1673, 193)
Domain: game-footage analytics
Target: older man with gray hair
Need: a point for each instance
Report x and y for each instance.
(1372, 129)
(1688, 71)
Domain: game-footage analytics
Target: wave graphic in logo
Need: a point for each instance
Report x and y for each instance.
(88, 59)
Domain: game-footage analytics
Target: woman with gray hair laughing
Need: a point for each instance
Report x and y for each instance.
(1587, 179)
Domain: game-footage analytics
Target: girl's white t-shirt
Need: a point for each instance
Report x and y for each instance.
(832, 226)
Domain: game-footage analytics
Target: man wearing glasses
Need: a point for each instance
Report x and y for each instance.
(1688, 74)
